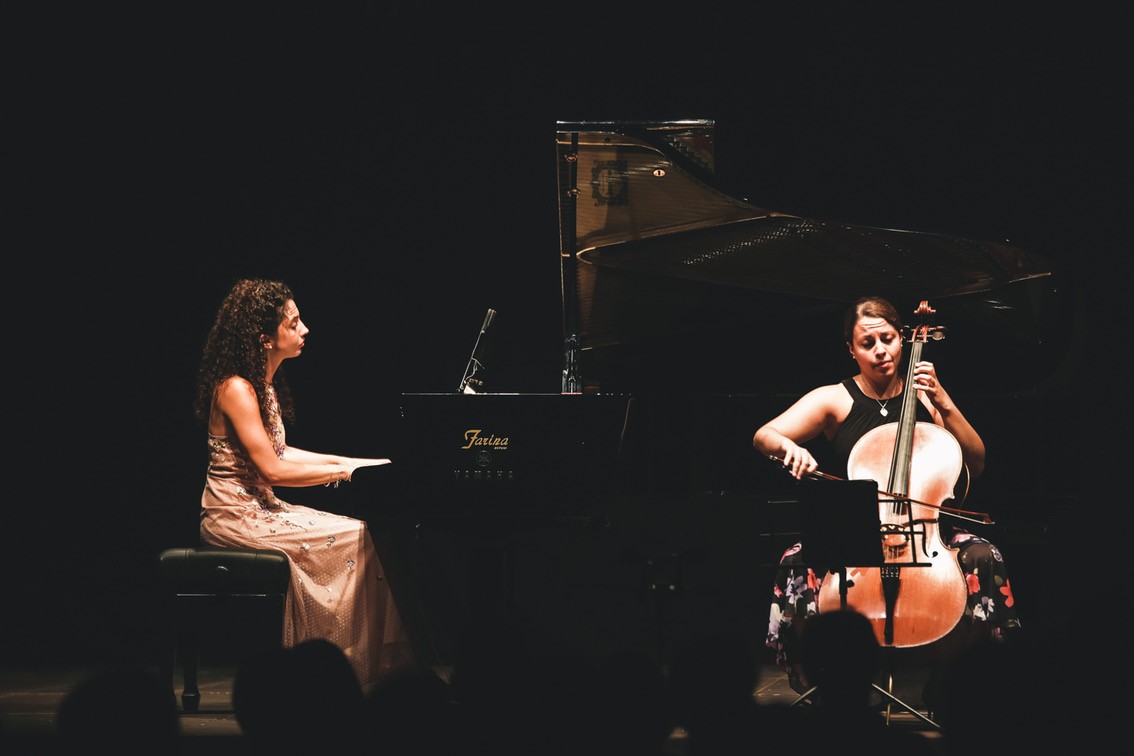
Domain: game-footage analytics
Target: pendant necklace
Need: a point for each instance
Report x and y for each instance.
(882, 404)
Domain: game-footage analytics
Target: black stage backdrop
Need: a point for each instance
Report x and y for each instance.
(395, 163)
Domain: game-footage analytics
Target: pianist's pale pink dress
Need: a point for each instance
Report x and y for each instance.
(338, 588)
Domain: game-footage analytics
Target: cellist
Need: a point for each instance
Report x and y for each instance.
(842, 413)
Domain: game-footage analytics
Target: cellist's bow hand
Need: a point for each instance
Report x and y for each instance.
(797, 461)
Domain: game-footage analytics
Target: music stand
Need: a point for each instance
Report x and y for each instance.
(840, 525)
(841, 528)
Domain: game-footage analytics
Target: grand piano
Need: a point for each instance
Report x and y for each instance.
(669, 283)
(630, 508)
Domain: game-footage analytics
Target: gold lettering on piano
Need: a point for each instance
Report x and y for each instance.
(486, 475)
(473, 438)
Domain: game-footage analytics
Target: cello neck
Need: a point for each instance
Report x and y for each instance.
(907, 418)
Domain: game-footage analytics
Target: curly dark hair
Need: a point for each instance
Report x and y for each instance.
(251, 309)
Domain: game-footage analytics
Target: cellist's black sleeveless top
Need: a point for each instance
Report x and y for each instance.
(864, 416)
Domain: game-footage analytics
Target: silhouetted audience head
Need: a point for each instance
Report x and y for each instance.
(714, 672)
(633, 711)
(517, 692)
(411, 712)
(515, 696)
(1006, 696)
(119, 710)
(712, 685)
(841, 657)
(296, 697)
(491, 662)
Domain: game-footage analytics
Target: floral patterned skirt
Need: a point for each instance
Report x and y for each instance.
(795, 596)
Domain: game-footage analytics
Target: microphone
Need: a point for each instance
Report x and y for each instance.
(488, 316)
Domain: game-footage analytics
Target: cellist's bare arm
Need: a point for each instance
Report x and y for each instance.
(782, 437)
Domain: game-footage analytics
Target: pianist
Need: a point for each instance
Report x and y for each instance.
(338, 591)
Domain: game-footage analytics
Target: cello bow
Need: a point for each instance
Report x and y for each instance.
(982, 518)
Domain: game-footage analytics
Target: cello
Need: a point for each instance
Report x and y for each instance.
(918, 594)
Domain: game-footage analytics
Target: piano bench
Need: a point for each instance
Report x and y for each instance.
(229, 593)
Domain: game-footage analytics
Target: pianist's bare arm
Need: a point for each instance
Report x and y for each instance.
(294, 454)
(236, 412)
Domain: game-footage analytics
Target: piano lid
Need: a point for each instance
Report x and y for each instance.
(658, 260)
